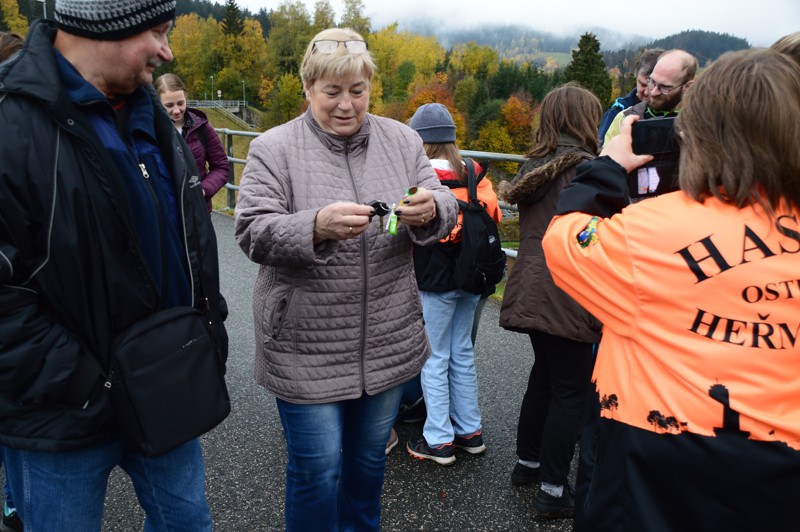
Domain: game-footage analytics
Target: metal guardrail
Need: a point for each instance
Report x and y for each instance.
(229, 134)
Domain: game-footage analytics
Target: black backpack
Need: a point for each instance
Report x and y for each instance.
(481, 262)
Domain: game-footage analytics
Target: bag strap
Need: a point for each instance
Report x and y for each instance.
(472, 179)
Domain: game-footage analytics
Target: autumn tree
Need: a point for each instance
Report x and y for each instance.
(589, 69)
(244, 58)
(474, 60)
(197, 45)
(11, 19)
(518, 114)
(464, 93)
(493, 137)
(288, 38)
(353, 18)
(402, 56)
(436, 91)
(324, 16)
(285, 102)
(233, 23)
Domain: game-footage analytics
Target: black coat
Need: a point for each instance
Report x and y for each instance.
(71, 273)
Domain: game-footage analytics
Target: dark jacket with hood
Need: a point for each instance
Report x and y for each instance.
(532, 301)
(73, 270)
(207, 149)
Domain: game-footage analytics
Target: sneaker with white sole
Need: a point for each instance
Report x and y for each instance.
(441, 454)
(472, 443)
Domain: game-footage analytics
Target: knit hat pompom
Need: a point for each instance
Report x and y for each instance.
(434, 124)
(111, 20)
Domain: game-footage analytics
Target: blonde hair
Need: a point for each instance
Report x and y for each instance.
(789, 45)
(169, 82)
(743, 150)
(340, 64)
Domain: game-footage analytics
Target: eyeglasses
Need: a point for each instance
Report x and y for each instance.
(663, 89)
(327, 46)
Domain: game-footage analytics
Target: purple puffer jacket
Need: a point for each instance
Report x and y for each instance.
(215, 175)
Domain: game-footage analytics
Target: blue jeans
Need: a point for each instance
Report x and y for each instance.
(337, 458)
(449, 381)
(66, 490)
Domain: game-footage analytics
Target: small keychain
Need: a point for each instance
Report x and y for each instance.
(392, 224)
(381, 209)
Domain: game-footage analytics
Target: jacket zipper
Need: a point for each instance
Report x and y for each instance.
(146, 176)
(365, 269)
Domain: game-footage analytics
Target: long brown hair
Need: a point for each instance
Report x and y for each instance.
(449, 152)
(10, 43)
(569, 109)
(740, 133)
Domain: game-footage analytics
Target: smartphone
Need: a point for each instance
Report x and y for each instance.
(654, 135)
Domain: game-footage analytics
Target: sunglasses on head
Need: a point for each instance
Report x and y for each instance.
(328, 46)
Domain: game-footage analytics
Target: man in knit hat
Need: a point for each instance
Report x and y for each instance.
(103, 224)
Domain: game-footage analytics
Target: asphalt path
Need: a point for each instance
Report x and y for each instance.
(245, 456)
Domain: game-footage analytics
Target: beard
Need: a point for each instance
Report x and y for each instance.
(665, 102)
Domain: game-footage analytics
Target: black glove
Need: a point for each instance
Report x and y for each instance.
(599, 188)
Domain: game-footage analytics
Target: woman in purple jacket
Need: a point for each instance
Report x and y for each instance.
(198, 133)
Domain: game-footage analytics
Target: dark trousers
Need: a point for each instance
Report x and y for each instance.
(554, 404)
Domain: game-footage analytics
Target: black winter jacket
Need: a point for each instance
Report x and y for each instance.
(72, 276)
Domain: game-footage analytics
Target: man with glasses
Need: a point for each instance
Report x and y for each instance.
(671, 78)
(644, 67)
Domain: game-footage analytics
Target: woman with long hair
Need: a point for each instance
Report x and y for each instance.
(562, 333)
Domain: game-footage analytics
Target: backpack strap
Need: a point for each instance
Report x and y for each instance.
(472, 179)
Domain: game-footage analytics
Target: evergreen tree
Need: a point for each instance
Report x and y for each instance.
(589, 69)
(233, 23)
(263, 18)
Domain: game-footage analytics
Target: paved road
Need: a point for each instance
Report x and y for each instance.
(245, 456)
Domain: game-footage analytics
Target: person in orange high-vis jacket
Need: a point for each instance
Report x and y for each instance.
(698, 370)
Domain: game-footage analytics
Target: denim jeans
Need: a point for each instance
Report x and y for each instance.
(66, 490)
(337, 458)
(449, 381)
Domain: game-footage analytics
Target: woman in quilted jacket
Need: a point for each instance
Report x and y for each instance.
(337, 314)
(199, 134)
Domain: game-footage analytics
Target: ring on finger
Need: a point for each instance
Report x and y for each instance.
(351, 229)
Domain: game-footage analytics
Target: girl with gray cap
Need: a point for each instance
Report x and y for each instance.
(449, 381)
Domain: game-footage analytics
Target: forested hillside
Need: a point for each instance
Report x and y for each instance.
(491, 80)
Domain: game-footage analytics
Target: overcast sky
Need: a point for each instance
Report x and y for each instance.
(761, 22)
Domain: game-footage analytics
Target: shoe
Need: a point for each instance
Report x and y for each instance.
(415, 413)
(472, 443)
(441, 454)
(524, 475)
(392, 443)
(554, 507)
(11, 521)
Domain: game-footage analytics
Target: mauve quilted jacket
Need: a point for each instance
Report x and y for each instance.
(342, 317)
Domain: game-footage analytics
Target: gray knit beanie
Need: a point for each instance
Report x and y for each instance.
(434, 124)
(112, 20)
